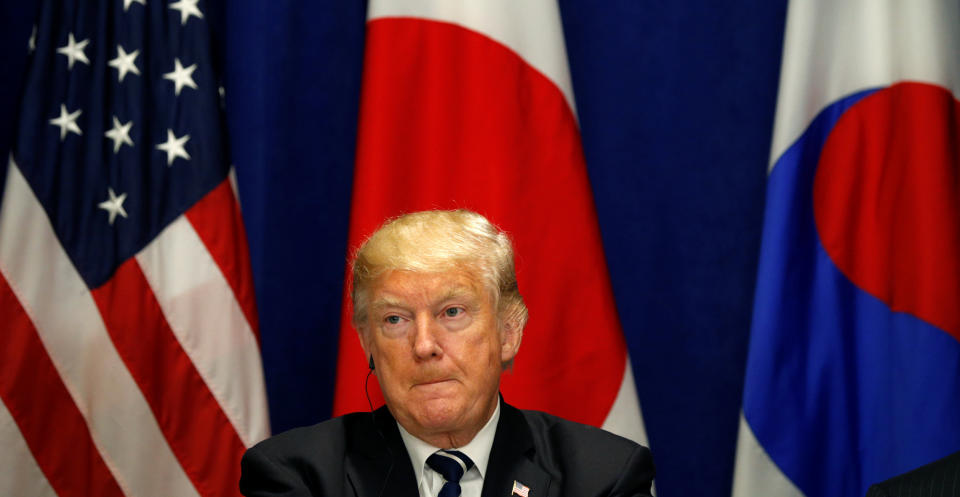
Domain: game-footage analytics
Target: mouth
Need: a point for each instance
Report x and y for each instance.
(432, 382)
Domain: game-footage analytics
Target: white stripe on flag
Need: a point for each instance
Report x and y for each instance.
(207, 320)
(625, 418)
(754, 472)
(832, 49)
(531, 28)
(232, 177)
(69, 324)
(19, 472)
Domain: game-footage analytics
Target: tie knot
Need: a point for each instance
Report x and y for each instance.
(451, 464)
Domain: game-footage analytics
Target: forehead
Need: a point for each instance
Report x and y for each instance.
(414, 287)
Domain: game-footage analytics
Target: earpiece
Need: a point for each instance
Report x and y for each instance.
(372, 365)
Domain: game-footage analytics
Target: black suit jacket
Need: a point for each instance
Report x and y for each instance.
(939, 478)
(362, 455)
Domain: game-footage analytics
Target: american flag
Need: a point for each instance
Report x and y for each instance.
(129, 356)
(520, 489)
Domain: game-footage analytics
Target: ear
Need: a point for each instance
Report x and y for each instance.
(510, 336)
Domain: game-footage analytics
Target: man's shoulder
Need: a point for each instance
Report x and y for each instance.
(326, 438)
(575, 434)
(928, 479)
(585, 460)
(304, 461)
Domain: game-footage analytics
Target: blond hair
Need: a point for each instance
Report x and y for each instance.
(437, 241)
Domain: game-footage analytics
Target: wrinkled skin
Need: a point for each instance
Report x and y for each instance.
(439, 349)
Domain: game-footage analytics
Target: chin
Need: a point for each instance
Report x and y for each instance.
(439, 415)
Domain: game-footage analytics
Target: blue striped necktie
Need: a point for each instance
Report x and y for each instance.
(451, 465)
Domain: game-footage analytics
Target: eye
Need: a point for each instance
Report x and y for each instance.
(455, 318)
(394, 319)
(452, 312)
(394, 325)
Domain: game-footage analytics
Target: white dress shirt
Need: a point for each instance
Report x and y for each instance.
(429, 481)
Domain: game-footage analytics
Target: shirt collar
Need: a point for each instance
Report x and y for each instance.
(478, 449)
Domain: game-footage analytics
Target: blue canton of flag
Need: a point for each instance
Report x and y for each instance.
(126, 297)
(119, 128)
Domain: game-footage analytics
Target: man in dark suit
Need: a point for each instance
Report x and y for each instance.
(940, 478)
(440, 316)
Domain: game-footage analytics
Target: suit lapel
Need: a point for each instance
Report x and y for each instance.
(511, 458)
(375, 470)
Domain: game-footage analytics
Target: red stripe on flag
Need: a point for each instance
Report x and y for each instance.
(217, 221)
(44, 411)
(198, 431)
(450, 118)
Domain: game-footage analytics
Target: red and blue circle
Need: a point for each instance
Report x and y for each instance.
(854, 366)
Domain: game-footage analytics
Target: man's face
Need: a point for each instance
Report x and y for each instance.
(438, 351)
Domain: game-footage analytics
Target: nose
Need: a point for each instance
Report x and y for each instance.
(425, 344)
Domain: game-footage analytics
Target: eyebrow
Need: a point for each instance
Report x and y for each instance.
(385, 301)
(450, 294)
(473, 300)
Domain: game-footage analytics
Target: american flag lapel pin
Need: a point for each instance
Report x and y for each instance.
(520, 489)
